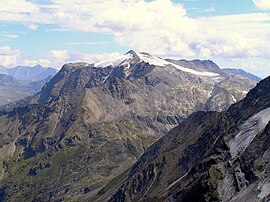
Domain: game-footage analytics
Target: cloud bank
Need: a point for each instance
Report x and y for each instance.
(56, 58)
(262, 4)
(8, 56)
(160, 27)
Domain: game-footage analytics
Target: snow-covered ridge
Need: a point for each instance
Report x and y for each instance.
(152, 61)
(113, 61)
(248, 131)
(160, 62)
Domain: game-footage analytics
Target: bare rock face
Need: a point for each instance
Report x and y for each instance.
(91, 122)
(210, 156)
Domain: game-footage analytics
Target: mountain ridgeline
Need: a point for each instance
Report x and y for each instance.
(20, 82)
(243, 73)
(91, 122)
(26, 73)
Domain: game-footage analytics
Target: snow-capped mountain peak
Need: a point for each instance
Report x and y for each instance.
(130, 56)
(113, 61)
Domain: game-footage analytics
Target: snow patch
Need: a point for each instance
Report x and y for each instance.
(114, 61)
(248, 131)
(176, 181)
(13, 148)
(127, 69)
(234, 99)
(264, 190)
(160, 62)
(152, 61)
(105, 79)
(194, 71)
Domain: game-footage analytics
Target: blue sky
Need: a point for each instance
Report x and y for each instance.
(233, 33)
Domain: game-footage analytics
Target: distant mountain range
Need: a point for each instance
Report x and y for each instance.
(25, 73)
(32, 79)
(91, 122)
(243, 73)
(19, 82)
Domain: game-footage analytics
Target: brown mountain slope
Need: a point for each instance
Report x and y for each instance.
(211, 156)
(92, 121)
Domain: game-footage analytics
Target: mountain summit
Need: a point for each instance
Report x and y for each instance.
(132, 57)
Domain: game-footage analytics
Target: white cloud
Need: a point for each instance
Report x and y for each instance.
(257, 66)
(262, 4)
(55, 58)
(91, 58)
(59, 54)
(12, 36)
(18, 10)
(60, 57)
(160, 27)
(18, 6)
(8, 56)
(211, 9)
(32, 26)
(235, 36)
(31, 63)
(57, 30)
(7, 51)
(90, 43)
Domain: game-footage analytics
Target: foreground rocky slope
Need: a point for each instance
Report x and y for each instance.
(92, 121)
(211, 156)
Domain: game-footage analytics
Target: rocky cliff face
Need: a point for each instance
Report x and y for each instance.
(211, 156)
(92, 121)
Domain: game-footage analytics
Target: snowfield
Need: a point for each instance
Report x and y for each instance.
(248, 131)
(152, 61)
